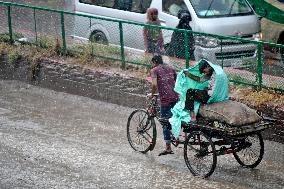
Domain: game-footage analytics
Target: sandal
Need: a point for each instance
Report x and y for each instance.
(165, 152)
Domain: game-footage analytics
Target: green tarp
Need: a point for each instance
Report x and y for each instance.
(267, 10)
(183, 83)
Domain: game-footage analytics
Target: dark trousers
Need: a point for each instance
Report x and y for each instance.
(195, 95)
(166, 114)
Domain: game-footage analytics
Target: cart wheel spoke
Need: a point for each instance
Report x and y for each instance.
(141, 131)
(200, 154)
(250, 150)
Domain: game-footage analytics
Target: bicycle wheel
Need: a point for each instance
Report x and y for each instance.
(250, 150)
(141, 131)
(200, 154)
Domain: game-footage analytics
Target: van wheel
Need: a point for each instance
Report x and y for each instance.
(98, 37)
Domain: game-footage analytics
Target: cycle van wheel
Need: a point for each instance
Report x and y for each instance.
(251, 150)
(200, 154)
(141, 131)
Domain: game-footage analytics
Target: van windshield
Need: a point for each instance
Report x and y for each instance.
(221, 8)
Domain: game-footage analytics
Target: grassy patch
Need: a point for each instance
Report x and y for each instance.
(256, 98)
(44, 41)
(5, 37)
(238, 79)
(28, 53)
(13, 57)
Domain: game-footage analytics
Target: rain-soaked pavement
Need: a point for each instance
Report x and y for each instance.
(56, 140)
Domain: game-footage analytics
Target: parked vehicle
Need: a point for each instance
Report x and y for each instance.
(272, 24)
(222, 17)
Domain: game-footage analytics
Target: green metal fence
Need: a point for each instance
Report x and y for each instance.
(243, 60)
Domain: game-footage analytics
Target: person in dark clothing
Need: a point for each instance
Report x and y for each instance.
(176, 47)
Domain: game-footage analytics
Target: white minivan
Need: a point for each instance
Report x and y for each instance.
(221, 17)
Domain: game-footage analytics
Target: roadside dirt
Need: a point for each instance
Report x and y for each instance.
(269, 102)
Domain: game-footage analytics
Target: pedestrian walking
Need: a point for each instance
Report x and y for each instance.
(153, 37)
(176, 47)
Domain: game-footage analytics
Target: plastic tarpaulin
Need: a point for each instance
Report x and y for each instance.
(183, 83)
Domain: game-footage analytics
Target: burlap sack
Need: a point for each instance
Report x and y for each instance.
(231, 112)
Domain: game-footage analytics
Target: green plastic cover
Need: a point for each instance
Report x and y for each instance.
(267, 10)
(183, 83)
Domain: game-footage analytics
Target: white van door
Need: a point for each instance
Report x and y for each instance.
(129, 10)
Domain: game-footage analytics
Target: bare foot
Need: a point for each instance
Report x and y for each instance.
(232, 98)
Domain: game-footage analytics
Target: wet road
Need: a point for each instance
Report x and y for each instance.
(56, 140)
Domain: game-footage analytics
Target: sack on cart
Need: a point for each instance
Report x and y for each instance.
(233, 113)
